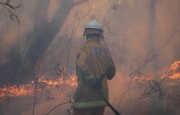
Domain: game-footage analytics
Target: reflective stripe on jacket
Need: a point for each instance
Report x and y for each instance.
(92, 60)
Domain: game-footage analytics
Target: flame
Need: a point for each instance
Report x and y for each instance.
(71, 81)
(28, 89)
(14, 91)
(175, 70)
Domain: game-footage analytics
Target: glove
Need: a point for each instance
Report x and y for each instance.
(111, 73)
(98, 83)
(93, 82)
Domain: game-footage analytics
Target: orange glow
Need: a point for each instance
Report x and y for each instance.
(172, 73)
(175, 70)
(175, 76)
(13, 91)
(28, 89)
(60, 81)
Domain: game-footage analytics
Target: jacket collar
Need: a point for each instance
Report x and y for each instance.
(95, 39)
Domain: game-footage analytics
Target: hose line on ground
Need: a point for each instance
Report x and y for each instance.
(98, 87)
(107, 102)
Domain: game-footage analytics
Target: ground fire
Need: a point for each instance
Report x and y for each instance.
(42, 82)
(175, 70)
(172, 73)
(28, 89)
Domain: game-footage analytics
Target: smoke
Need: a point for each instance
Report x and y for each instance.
(134, 30)
(44, 106)
(46, 100)
(167, 31)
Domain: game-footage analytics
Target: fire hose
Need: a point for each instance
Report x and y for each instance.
(99, 89)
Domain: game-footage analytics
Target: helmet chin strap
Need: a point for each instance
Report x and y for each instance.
(84, 33)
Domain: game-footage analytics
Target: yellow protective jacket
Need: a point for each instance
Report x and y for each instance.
(92, 60)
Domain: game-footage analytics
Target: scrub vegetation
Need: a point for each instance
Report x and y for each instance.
(39, 40)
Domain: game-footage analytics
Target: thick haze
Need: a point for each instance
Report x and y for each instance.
(133, 29)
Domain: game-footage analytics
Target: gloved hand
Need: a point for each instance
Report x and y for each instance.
(98, 83)
(94, 82)
(111, 73)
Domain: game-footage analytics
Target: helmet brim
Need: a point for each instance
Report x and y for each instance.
(92, 31)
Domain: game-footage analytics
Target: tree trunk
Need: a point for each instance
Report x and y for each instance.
(44, 33)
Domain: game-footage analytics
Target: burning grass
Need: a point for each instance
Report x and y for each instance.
(166, 88)
(42, 83)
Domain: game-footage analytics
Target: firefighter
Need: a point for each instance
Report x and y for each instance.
(92, 60)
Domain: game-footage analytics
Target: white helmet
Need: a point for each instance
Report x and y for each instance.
(94, 25)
